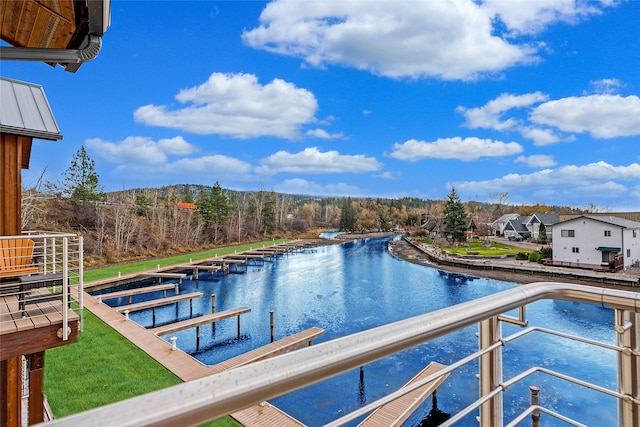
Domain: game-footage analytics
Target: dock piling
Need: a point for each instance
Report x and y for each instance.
(271, 322)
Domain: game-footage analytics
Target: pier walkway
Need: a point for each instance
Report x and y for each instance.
(397, 411)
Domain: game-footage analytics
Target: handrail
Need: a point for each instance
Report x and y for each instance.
(220, 394)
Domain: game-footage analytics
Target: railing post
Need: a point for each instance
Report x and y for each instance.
(490, 373)
(65, 289)
(627, 328)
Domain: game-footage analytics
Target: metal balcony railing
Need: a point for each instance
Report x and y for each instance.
(39, 268)
(230, 391)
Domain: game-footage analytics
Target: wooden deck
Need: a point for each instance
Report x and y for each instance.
(37, 329)
(199, 321)
(396, 412)
(270, 350)
(36, 315)
(158, 302)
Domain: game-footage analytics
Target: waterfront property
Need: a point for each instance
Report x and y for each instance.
(597, 242)
(372, 305)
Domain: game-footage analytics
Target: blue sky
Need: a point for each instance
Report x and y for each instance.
(537, 99)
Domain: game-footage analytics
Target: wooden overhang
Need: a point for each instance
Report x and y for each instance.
(52, 25)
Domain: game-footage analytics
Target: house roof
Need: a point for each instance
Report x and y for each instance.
(67, 32)
(546, 218)
(518, 224)
(505, 218)
(25, 111)
(613, 220)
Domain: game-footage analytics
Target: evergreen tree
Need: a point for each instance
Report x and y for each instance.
(80, 184)
(269, 213)
(347, 215)
(542, 234)
(214, 208)
(187, 197)
(455, 217)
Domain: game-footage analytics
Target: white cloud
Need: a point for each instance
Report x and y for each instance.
(450, 40)
(323, 134)
(562, 182)
(543, 136)
(389, 175)
(466, 149)
(489, 116)
(447, 40)
(236, 105)
(531, 17)
(312, 160)
(218, 166)
(602, 116)
(537, 161)
(302, 186)
(140, 150)
(606, 86)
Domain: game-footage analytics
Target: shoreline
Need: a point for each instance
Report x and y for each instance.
(404, 250)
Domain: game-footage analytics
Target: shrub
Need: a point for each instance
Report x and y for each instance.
(521, 256)
(546, 252)
(535, 256)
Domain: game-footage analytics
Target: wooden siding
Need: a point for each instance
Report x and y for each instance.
(38, 23)
(11, 159)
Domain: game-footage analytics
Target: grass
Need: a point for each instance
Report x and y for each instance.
(112, 271)
(475, 247)
(104, 367)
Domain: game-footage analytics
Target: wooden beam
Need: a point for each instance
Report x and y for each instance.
(35, 340)
(36, 384)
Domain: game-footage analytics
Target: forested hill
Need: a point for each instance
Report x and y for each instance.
(149, 222)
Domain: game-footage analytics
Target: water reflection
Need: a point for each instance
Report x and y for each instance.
(356, 286)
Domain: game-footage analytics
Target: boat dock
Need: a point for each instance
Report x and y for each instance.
(275, 348)
(138, 291)
(159, 302)
(397, 411)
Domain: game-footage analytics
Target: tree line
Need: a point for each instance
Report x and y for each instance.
(150, 222)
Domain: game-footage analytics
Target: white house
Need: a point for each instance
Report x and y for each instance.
(597, 242)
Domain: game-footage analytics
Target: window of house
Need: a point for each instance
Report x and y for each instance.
(568, 233)
(635, 233)
(575, 250)
(607, 233)
(628, 253)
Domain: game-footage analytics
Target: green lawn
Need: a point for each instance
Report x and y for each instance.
(103, 367)
(475, 247)
(112, 271)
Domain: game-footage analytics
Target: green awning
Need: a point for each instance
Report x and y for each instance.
(607, 249)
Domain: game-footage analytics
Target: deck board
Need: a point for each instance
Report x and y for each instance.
(157, 302)
(270, 350)
(199, 321)
(136, 291)
(397, 411)
(265, 415)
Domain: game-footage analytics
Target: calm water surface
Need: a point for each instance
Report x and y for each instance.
(356, 286)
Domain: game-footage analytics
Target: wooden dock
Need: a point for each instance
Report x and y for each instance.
(158, 302)
(164, 275)
(397, 411)
(138, 291)
(270, 350)
(200, 320)
(265, 415)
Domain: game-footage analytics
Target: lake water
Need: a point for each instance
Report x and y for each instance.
(356, 286)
